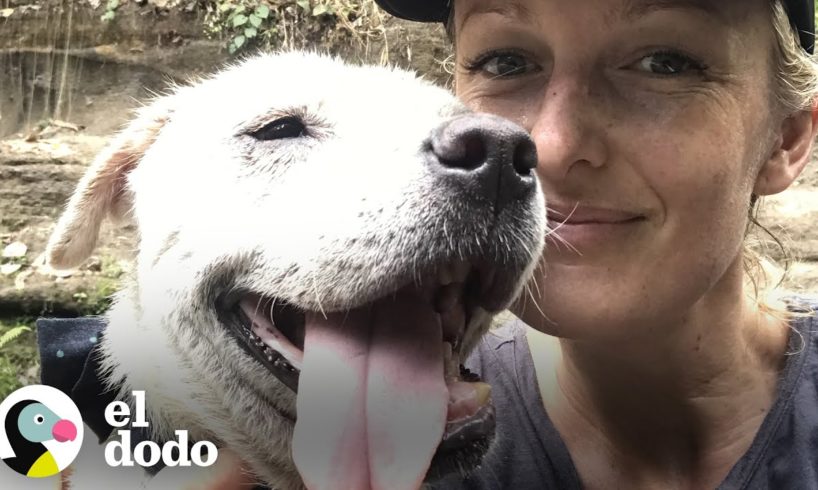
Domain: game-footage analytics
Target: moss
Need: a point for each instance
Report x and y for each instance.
(97, 300)
(111, 268)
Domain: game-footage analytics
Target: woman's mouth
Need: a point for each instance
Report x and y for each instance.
(580, 228)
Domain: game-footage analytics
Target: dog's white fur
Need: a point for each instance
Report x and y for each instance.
(326, 222)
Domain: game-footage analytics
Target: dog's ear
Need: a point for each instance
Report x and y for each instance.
(102, 191)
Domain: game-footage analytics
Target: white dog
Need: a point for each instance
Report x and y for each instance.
(320, 244)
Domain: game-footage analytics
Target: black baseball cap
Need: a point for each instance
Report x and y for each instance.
(801, 12)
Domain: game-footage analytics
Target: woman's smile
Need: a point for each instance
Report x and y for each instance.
(581, 227)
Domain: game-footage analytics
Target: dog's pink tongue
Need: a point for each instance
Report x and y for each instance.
(372, 400)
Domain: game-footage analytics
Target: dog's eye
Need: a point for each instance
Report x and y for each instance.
(286, 127)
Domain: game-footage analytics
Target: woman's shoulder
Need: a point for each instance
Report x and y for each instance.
(783, 454)
(802, 365)
(803, 347)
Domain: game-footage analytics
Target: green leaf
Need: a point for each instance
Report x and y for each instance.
(304, 4)
(240, 9)
(225, 7)
(238, 41)
(113, 4)
(318, 10)
(231, 48)
(108, 16)
(250, 32)
(13, 334)
(239, 20)
(262, 11)
(255, 21)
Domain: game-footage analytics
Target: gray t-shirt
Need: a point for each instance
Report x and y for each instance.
(528, 453)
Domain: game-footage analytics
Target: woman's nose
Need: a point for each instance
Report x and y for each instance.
(568, 129)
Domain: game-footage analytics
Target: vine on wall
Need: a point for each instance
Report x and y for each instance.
(249, 24)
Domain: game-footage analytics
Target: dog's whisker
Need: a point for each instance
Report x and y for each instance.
(557, 239)
(318, 297)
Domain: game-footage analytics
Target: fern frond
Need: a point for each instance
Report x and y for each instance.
(12, 334)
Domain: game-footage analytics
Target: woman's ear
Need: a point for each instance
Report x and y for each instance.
(791, 155)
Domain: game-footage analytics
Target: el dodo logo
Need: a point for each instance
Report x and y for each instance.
(42, 431)
(148, 453)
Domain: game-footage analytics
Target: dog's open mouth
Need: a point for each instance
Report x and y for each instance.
(388, 372)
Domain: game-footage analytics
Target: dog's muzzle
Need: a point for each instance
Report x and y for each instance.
(273, 332)
(386, 372)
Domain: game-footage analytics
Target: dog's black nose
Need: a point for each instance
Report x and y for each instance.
(486, 156)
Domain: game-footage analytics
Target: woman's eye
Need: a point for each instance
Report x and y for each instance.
(502, 65)
(668, 63)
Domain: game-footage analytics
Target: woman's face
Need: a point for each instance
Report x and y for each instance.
(652, 120)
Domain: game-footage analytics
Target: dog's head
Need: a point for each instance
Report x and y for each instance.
(321, 243)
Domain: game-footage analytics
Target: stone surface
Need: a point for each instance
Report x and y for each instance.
(62, 62)
(802, 277)
(793, 217)
(36, 179)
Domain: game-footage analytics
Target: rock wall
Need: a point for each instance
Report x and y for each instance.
(59, 60)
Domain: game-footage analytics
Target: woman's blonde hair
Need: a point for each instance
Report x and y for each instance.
(796, 89)
(796, 70)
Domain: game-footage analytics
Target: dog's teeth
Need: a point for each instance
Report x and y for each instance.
(450, 365)
(283, 364)
(467, 375)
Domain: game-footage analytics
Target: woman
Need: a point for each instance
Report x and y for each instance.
(658, 125)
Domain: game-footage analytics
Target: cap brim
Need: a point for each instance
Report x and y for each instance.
(419, 11)
(802, 16)
(801, 13)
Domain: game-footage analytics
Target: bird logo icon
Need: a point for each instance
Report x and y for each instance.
(39, 431)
